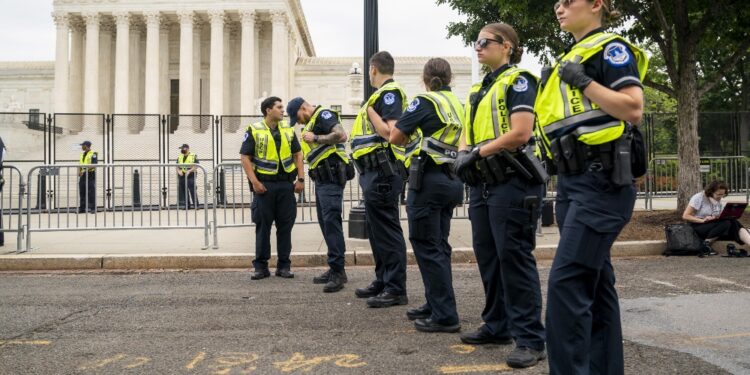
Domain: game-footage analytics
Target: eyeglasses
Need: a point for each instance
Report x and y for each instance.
(564, 3)
(482, 43)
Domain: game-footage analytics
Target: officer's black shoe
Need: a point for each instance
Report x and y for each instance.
(421, 312)
(523, 357)
(285, 273)
(323, 277)
(260, 274)
(386, 299)
(335, 282)
(371, 290)
(482, 337)
(427, 325)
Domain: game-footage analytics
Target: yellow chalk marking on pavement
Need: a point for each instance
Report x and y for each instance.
(500, 367)
(103, 362)
(198, 358)
(463, 349)
(349, 361)
(230, 361)
(25, 342)
(730, 336)
(138, 361)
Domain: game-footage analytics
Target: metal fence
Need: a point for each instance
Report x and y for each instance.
(12, 189)
(142, 196)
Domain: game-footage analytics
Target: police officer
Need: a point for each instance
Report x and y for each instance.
(586, 105)
(87, 179)
(323, 147)
(186, 177)
(271, 157)
(381, 177)
(434, 191)
(504, 202)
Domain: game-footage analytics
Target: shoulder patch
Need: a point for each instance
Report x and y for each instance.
(389, 98)
(326, 115)
(616, 54)
(413, 105)
(244, 138)
(521, 84)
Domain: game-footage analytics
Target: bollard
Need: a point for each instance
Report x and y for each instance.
(136, 189)
(548, 212)
(358, 222)
(41, 192)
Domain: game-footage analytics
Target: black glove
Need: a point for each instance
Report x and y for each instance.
(465, 161)
(546, 72)
(574, 74)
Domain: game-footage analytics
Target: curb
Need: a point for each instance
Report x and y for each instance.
(358, 256)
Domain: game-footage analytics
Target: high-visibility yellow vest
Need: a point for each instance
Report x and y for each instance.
(317, 152)
(266, 157)
(491, 119)
(86, 159)
(560, 107)
(186, 159)
(442, 145)
(364, 139)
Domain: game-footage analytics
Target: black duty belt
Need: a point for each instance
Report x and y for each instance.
(286, 177)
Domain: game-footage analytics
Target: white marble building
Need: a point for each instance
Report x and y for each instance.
(189, 57)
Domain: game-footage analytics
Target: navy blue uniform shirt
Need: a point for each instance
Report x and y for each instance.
(325, 122)
(518, 98)
(389, 105)
(421, 113)
(248, 144)
(614, 67)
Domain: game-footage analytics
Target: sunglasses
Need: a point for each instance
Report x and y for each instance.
(482, 43)
(563, 3)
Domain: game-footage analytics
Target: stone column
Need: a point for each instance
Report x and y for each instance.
(216, 77)
(62, 79)
(75, 103)
(106, 29)
(164, 83)
(247, 63)
(122, 62)
(135, 68)
(186, 62)
(153, 21)
(91, 88)
(280, 55)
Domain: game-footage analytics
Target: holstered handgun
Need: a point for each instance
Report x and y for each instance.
(326, 170)
(515, 164)
(572, 155)
(341, 172)
(532, 164)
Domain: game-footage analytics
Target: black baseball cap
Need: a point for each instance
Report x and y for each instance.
(86, 143)
(292, 108)
(184, 145)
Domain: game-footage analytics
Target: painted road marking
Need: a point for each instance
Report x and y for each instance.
(103, 362)
(664, 283)
(25, 342)
(463, 349)
(299, 362)
(721, 281)
(198, 358)
(500, 367)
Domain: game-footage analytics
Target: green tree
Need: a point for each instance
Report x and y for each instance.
(701, 43)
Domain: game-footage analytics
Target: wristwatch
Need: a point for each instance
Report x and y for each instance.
(315, 138)
(300, 179)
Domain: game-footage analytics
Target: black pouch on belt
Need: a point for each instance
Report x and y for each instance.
(488, 176)
(416, 172)
(622, 173)
(355, 164)
(557, 156)
(572, 153)
(384, 163)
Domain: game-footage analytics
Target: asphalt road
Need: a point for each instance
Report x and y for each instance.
(680, 316)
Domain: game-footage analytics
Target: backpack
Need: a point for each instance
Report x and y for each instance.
(682, 240)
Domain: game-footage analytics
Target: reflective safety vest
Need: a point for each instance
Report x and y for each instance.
(186, 159)
(442, 145)
(491, 119)
(317, 152)
(364, 138)
(88, 157)
(561, 108)
(266, 157)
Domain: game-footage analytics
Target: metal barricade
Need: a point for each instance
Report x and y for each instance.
(12, 190)
(142, 196)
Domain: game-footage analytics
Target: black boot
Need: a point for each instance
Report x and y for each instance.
(335, 282)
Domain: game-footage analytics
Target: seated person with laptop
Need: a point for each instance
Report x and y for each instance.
(711, 221)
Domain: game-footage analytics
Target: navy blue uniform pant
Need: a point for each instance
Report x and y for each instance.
(584, 335)
(430, 211)
(87, 191)
(277, 205)
(328, 203)
(503, 237)
(186, 191)
(382, 196)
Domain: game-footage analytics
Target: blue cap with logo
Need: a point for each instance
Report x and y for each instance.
(86, 143)
(292, 108)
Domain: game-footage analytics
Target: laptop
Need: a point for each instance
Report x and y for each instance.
(733, 210)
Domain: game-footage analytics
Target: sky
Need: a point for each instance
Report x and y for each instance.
(407, 28)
